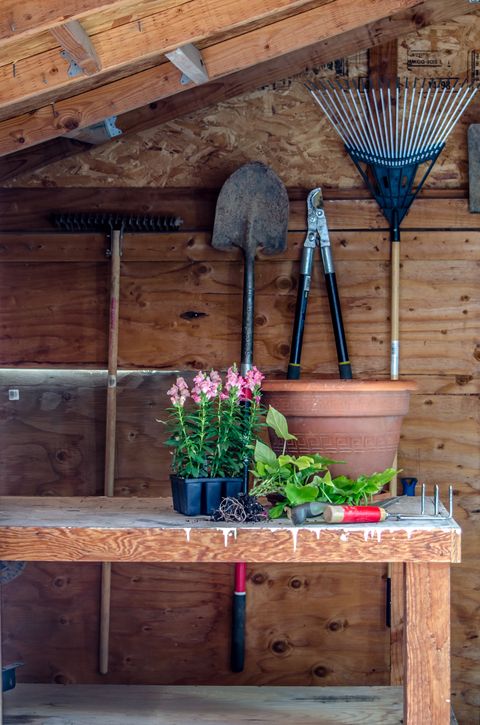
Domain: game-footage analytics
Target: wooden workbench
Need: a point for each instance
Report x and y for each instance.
(126, 529)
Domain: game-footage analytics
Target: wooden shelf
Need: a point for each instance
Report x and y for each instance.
(147, 529)
(152, 705)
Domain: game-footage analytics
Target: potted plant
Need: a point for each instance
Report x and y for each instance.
(356, 421)
(291, 481)
(212, 428)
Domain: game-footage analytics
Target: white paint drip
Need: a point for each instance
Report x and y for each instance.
(187, 534)
(294, 537)
(226, 533)
(344, 536)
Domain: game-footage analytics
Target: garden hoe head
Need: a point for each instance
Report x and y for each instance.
(252, 211)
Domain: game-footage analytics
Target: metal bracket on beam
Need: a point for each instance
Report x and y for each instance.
(189, 60)
(98, 133)
(73, 67)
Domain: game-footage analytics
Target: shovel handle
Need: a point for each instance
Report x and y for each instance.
(238, 618)
(248, 311)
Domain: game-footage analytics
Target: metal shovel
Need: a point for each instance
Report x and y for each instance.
(252, 211)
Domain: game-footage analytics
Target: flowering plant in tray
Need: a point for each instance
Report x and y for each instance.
(213, 425)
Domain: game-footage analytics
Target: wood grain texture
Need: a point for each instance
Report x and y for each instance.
(110, 705)
(34, 15)
(108, 529)
(427, 689)
(229, 122)
(131, 44)
(185, 610)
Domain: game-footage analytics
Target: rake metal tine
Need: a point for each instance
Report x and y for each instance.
(372, 122)
(450, 501)
(419, 125)
(471, 92)
(404, 115)
(440, 119)
(424, 123)
(361, 95)
(436, 500)
(359, 122)
(385, 125)
(321, 102)
(409, 122)
(422, 503)
(350, 117)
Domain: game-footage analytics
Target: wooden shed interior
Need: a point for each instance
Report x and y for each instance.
(95, 117)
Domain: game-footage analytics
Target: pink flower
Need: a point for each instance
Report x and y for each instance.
(205, 388)
(179, 392)
(252, 384)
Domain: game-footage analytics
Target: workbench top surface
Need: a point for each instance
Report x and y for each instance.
(148, 529)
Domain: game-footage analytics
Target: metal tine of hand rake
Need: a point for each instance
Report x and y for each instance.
(436, 500)
(422, 503)
(450, 501)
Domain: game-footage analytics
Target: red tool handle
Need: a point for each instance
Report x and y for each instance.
(354, 514)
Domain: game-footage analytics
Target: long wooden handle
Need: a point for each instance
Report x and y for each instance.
(110, 431)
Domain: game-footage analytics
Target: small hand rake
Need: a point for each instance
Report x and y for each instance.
(113, 225)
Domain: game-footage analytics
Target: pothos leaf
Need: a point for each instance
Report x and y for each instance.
(278, 423)
(264, 454)
(277, 511)
(297, 495)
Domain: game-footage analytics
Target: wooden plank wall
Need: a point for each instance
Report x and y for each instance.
(180, 308)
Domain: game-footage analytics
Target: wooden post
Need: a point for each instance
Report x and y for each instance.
(427, 644)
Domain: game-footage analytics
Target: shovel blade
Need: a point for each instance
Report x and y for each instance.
(252, 211)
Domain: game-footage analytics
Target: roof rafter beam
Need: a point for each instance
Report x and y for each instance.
(22, 18)
(75, 41)
(235, 54)
(131, 46)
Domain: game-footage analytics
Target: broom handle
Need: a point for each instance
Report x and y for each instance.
(110, 428)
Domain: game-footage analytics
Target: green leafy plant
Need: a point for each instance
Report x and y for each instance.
(214, 424)
(301, 479)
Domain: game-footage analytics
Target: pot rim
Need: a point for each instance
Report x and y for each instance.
(319, 385)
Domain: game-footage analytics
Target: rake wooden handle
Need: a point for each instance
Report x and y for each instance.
(110, 430)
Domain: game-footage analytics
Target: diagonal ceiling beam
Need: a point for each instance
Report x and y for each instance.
(75, 41)
(31, 81)
(230, 56)
(427, 12)
(22, 18)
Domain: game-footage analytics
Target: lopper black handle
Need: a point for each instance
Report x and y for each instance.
(344, 366)
(293, 372)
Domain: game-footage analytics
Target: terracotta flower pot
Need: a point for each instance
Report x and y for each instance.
(348, 420)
